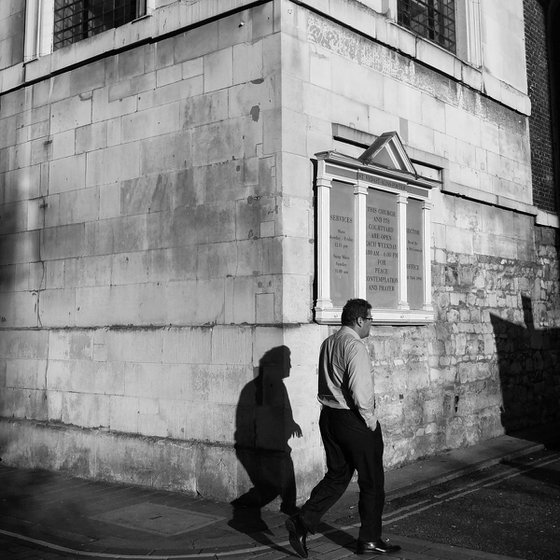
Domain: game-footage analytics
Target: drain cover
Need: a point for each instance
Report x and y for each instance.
(158, 519)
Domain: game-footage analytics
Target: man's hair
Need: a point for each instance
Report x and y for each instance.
(353, 309)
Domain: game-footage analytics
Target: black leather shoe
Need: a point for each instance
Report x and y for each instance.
(376, 547)
(298, 535)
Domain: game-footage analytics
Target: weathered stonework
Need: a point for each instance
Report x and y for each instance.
(157, 245)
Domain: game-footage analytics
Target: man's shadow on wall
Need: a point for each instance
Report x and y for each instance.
(529, 368)
(263, 425)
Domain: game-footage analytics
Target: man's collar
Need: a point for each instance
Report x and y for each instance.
(350, 330)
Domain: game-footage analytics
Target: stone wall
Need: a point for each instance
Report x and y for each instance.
(12, 21)
(142, 249)
(157, 252)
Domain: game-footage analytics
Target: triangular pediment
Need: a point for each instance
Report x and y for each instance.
(388, 151)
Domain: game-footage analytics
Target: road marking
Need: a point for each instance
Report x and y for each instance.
(421, 506)
(88, 554)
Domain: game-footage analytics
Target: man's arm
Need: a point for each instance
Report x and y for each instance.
(360, 383)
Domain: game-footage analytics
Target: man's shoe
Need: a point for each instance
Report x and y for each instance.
(298, 535)
(376, 547)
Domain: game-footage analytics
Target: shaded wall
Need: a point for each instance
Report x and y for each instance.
(12, 22)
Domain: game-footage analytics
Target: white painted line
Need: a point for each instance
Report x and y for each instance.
(468, 489)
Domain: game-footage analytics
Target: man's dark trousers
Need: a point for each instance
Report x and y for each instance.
(349, 445)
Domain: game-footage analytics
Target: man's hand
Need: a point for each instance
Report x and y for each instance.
(296, 431)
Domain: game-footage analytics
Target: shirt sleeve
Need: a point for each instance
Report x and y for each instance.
(360, 383)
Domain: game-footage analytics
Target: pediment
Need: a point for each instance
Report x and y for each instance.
(388, 151)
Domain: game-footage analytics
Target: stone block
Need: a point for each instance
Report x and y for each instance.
(57, 308)
(459, 121)
(85, 410)
(296, 174)
(167, 381)
(216, 260)
(239, 300)
(146, 194)
(54, 405)
(109, 201)
(432, 112)
(28, 404)
(13, 217)
(129, 268)
(132, 87)
(254, 97)
(177, 91)
(132, 62)
(421, 136)
(151, 424)
(177, 263)
(193, 68)
(151, 122)
(87, 271)
(71, 113)
(164, 52)
(123, 414)
(134, 345)
(205, 109)
(67, 174)
(498, 222)
(63, 242)
(104, 109)
(102, 305)
(187, 346)
(217, 467)
(259, 256)
(320, 69)
(296, 251)
(24, 345)
(214, 223)
(296, 297)
(210, 291)
(262, 21)
(22, 184)
(296, 218)
(26, 374)
(223, 423)
(91, 137)
(218, 70)
(231, 345)
(251, 213)
(113, 164)
(294, 136)
(87, 78)
(114, 131)
(80, 206)
(63, 144)
(70, 345)
(173, 413)
(169, 75)
(166, 153)
(198, 421)
(196, 42)
(234, 379)
(495, 245)
(67, 376)
(19, 248)
(247, 62)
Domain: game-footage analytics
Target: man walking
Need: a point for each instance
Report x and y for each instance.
(351, 435)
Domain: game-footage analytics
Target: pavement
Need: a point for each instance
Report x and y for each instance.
(64, 516)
